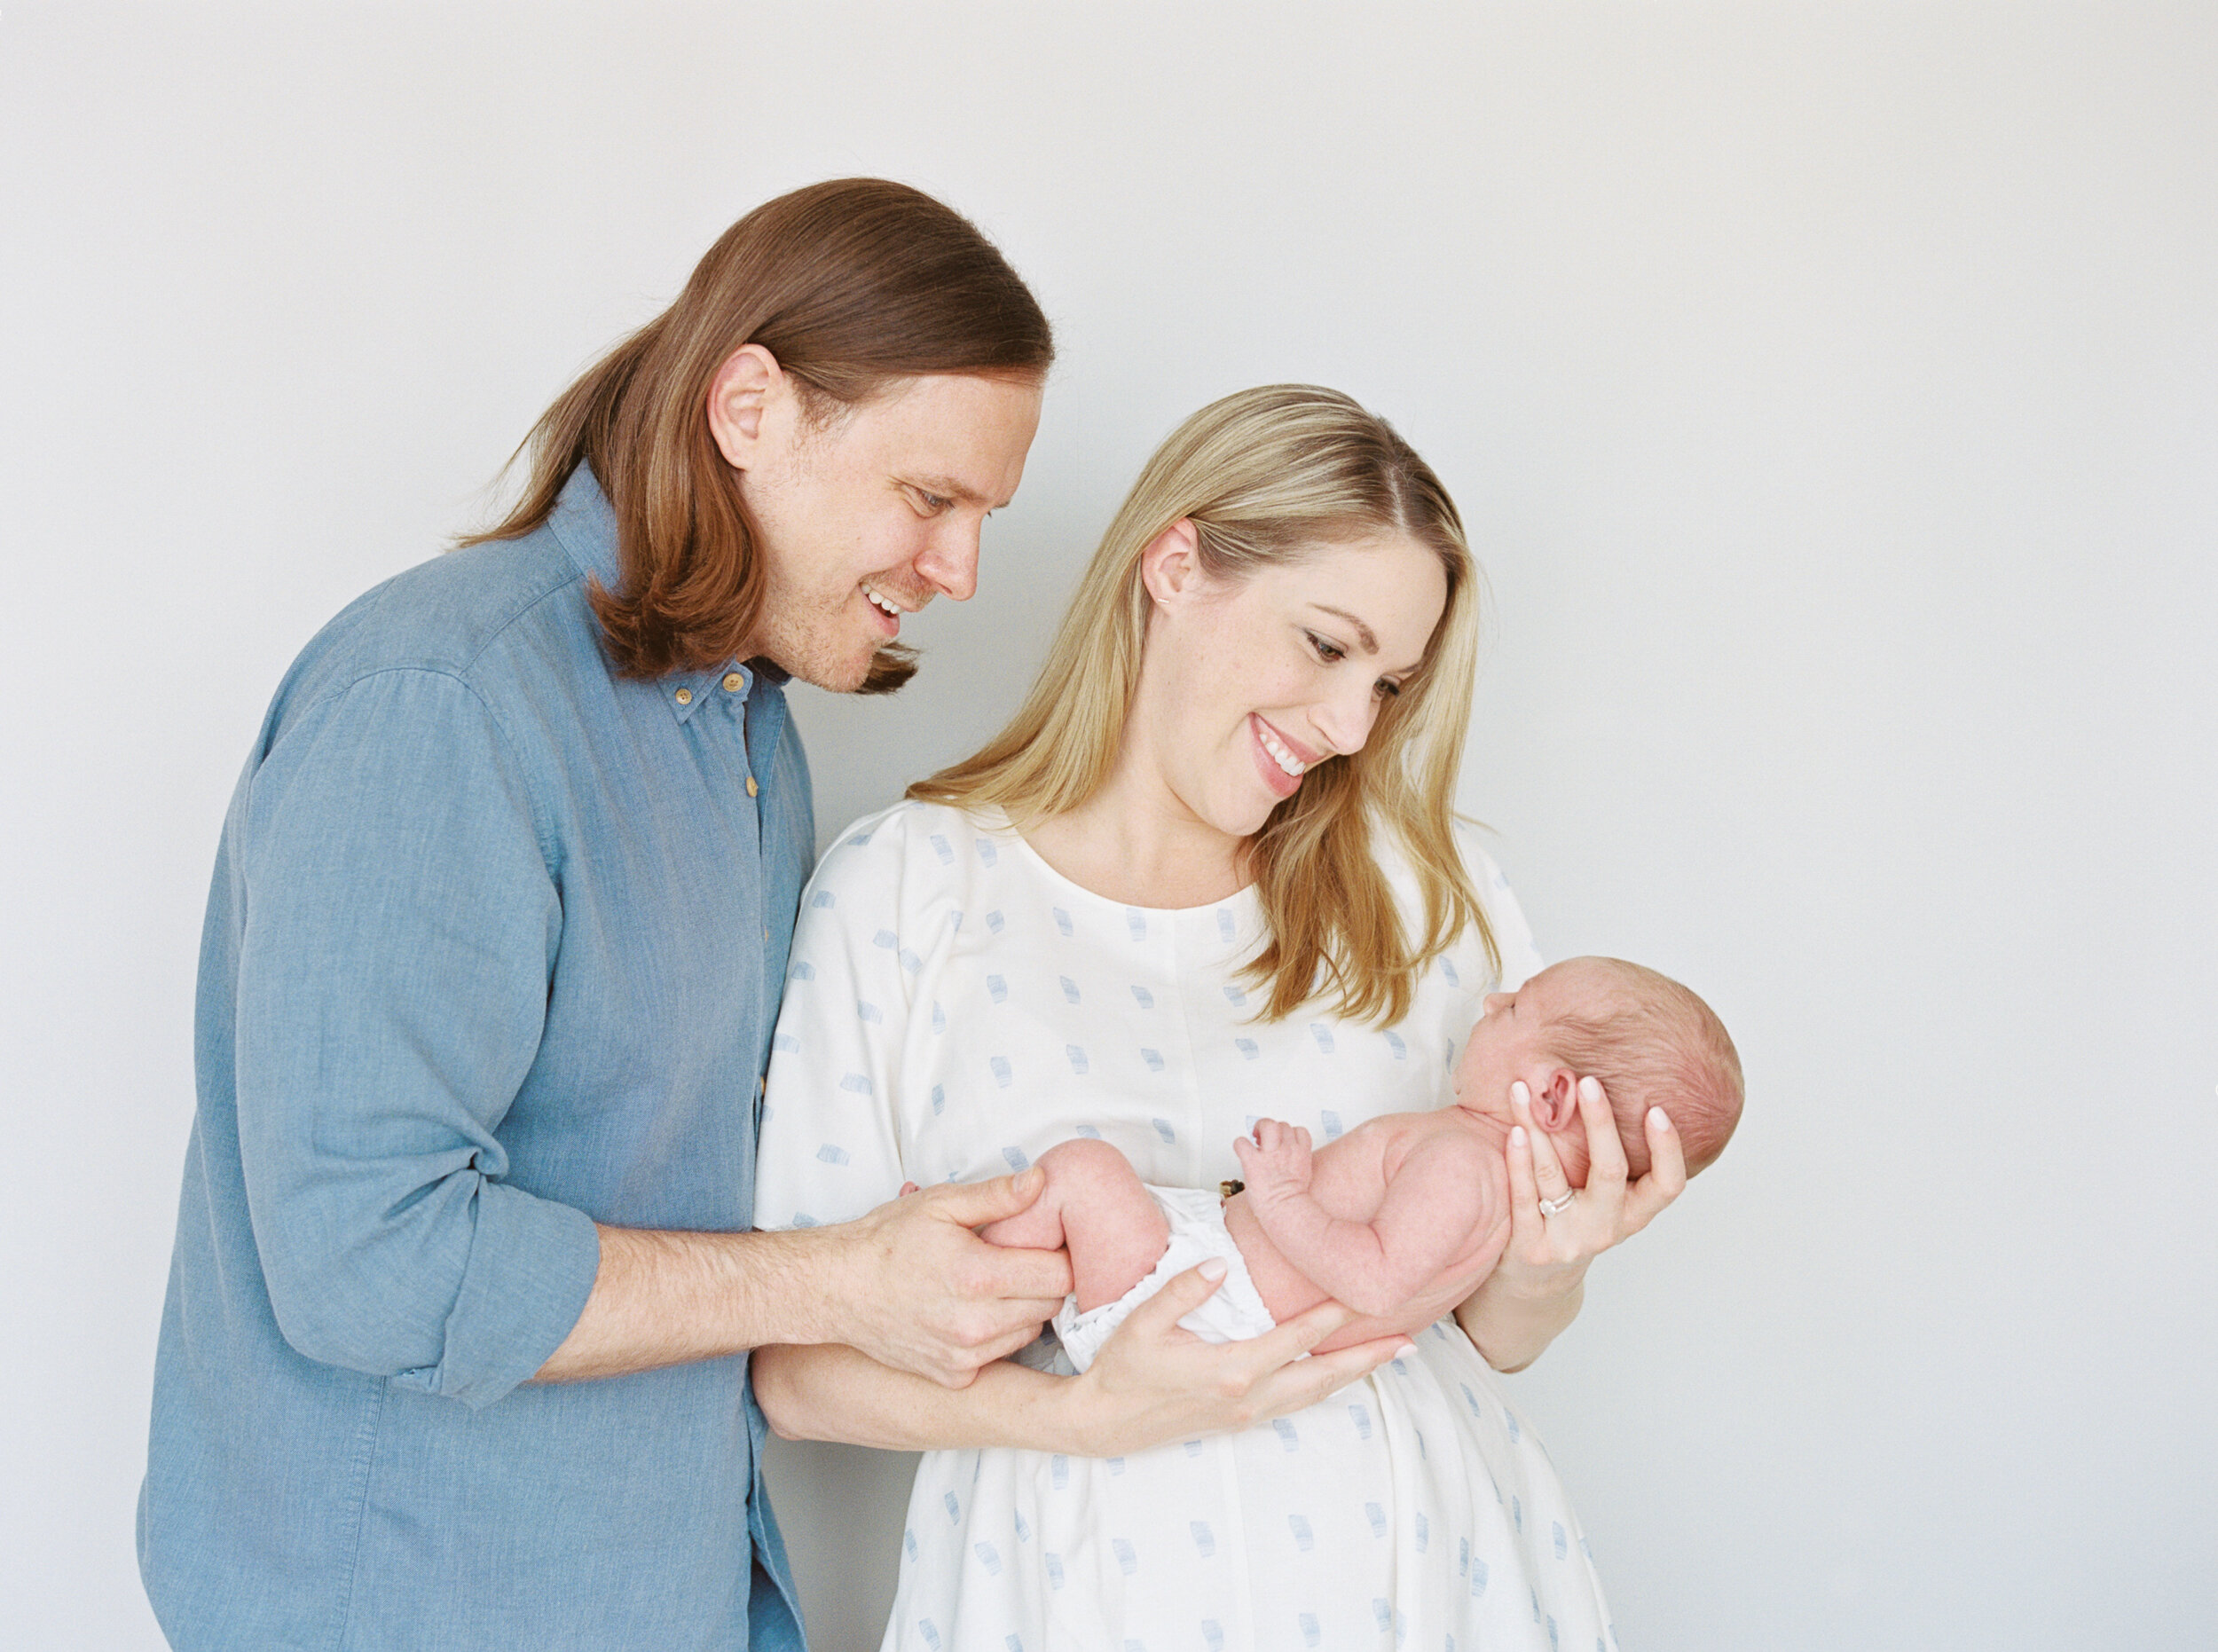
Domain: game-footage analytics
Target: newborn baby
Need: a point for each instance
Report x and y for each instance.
(1401, 1218)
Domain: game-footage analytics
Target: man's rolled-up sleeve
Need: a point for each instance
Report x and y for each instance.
(400, 923)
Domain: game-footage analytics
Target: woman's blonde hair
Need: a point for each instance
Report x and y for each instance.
(1267, 478)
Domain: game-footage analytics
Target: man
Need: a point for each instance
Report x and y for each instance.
(454, 1349)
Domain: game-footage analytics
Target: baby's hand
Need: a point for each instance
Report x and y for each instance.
(1276, 1162)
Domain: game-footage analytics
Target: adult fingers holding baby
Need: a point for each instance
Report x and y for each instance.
(1556, 1226)
(1153, 1380)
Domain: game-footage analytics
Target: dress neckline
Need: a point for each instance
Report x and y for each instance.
(996, 821)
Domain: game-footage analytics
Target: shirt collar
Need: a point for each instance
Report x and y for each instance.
(584, 523)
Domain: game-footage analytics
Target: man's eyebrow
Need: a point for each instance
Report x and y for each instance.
(947, 487)
(1363, 632)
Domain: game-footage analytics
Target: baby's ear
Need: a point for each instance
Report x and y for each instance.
(1555, 1100)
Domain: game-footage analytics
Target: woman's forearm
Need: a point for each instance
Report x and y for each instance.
(1512, 1328)
(831, 1392)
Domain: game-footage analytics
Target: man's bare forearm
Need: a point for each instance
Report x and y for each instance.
(667, 1298)
(828, 1392)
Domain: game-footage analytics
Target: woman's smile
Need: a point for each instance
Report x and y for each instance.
(1279, 759)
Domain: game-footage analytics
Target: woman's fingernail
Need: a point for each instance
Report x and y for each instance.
(1214, 1269)
(1518, 1094)
(1659, 1118)
(1516, 1135)
(1590, 1088)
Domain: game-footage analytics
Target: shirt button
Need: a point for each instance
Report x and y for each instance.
(751, 787)
(732, 682)
(685, 696)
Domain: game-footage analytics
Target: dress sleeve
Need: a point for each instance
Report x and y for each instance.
(399, 925)
(830, 1148)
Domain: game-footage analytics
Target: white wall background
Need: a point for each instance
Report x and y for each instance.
(1833, 390)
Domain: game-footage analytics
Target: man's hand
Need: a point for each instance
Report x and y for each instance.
(916, 1288)
(1275, 1162)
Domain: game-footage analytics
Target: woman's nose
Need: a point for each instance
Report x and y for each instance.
(1345, 719)
(948, 561)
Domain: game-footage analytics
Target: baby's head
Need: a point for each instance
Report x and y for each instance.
(1650, 1042)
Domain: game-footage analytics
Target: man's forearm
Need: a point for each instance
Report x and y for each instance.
(833, 1393)
(667, 1298)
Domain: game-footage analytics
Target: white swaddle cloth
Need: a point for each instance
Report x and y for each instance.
(1233, 1314)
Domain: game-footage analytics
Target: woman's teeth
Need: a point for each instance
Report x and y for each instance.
(1279, 755)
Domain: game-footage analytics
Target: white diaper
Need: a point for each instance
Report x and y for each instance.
(1233, 1314)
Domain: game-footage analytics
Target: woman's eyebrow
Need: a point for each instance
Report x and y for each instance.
(1363, 632)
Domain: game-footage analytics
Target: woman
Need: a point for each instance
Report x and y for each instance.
(1208, 871)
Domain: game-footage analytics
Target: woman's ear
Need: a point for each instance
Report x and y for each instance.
(740, 398)
(1172, 561)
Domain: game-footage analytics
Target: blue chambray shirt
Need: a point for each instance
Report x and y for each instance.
(493, 952)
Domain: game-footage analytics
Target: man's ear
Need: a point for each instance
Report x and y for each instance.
(740, 398)
(1172, 561)
(1555, 1100)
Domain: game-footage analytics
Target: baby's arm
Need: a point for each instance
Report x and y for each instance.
(1433, 1203)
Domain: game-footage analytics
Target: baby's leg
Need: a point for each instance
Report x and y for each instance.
(1095, 1206)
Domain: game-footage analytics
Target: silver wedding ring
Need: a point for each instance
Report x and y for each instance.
(1557, 1205)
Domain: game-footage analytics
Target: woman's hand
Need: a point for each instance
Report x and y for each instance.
(1155, 1381)
(1556, 1231)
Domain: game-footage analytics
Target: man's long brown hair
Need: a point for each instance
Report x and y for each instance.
(851, 285)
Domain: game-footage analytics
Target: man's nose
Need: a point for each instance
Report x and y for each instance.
(950, 561)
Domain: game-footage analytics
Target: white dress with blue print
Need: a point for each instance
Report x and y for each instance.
(956, 1007)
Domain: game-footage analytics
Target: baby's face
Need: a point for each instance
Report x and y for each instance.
(1510, 1042)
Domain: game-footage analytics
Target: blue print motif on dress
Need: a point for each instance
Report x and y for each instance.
(1143, 998)
(1284, 1428)
(1225, 930)
(945, 850)
(908, 1542)
(938, 1018)
(856, 1083)
(1563, 1544)
(1070, 989)
(1361, 1416)
(831, 1155)
(885, 939)
(998, 989)
(784, 1042)
(1024, 1532)
(1086, 1130)
(1304, 1539)
(930, 1635)
(939, 1099)
(1329, 1122)
(1478, 1577)
(824, 898)
(994, 922)
(1204, 1542)
(869, 1013)
(1324, 1036)
(1062, 921)
(1016, 1158)
(1136, 921)
(1401, 1050)
(1246, 1047)
(1001, 1075)
(1154, 1059)
(1077, 1059)
(1310, 1633)
(1163, 1130)
(987, 853)
(911, 962)
(1424, 1533)
(1128, 1562)
(1059, 1471)
(1448, 968)
(1054, 1564)
(988, 1557)
(1377, 1518)
(1213, 1633)
(955, 1509)
(803, 970)
(1233, 992)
